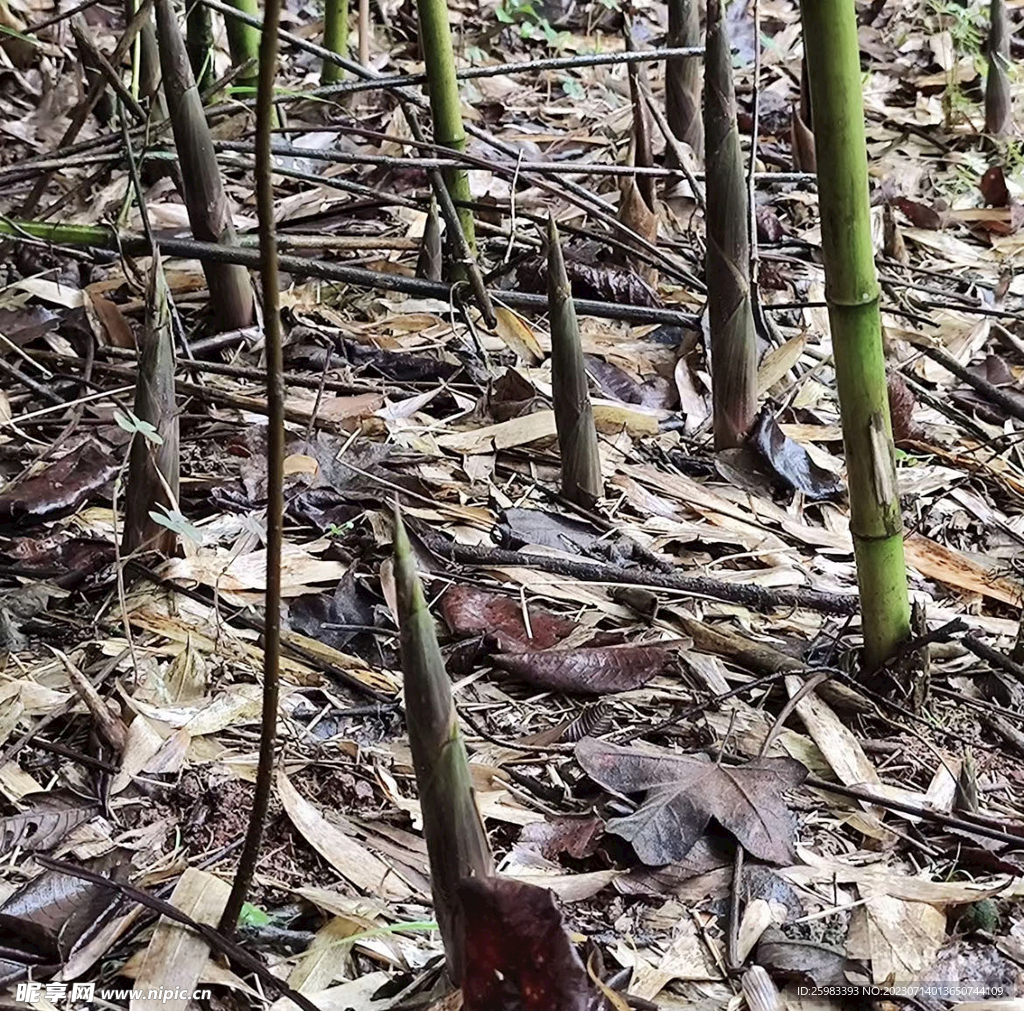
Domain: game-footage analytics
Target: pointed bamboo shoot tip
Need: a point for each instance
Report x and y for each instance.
(401, 544)
(552, 235)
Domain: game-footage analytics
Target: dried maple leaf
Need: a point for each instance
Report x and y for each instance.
(468, 610)
(684, 792)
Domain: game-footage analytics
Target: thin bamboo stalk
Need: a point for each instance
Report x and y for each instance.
(335, 39)
(244, 43)
(365, 27)
(270, 283)
(831, 44)
(730, 312)
(445, 104)
(998, 107)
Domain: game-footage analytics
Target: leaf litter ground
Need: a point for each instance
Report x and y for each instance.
(626, 727)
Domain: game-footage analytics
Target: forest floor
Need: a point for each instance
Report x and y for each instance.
(682, 612)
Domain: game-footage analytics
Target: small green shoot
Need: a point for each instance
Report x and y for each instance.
(132, 423)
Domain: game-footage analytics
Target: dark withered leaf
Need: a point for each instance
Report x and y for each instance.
(591, 278)
(50, 817)
(769, 227)
(790, 462)
(803, 961)
(60, 488)
(27, 323)
(469, 611)
(58, 912)
(993, 187)
(901, 410)
(613, 381)
(518, 955)
(551, 530)
(921, 215)
(684, 792)
(319, 615)
(593, 670)
(707, 854)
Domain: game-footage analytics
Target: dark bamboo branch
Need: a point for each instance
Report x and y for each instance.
(998, 100)
(749, 594)
(359, 277)
(265, 122)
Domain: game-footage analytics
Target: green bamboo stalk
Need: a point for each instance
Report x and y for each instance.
(998, 108)
(730, 312)
(682, 78)
(199, 43)
(457, 843)
(574, 416)
(244, 45)
(209, 212)
(153, 469)
(445, 107)
(335, 39)
(831, 44)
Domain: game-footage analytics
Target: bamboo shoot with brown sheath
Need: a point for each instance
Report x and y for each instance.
(682, 79)
(457, 844)
(574, 416)
(209, 212)
(153, 466)
(730, 312)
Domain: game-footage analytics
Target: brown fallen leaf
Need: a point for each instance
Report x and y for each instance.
(60, 488)
(518, 955)
(578, 837)
(684, 792)
(921, 215)
(468, 610)
(593, 670)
